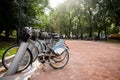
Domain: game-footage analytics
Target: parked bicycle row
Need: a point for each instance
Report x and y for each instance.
(36, 44)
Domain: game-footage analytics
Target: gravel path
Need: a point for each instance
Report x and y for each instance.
(89, 60)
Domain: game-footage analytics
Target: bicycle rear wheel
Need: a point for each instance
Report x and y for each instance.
(8, 57)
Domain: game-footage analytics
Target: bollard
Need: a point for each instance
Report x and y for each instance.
(19, 55)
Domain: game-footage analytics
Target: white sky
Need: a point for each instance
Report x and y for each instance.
(54, 3)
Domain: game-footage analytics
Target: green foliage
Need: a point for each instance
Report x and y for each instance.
(115, 30)
(86, 18)
(31, 13)
(3, 47)
(73, 18)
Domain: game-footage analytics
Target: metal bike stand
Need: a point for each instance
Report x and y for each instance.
(18, 57)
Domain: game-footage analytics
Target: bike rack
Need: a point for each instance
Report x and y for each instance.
(14, 65)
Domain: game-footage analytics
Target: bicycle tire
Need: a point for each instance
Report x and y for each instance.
(60, 59)
(41, 48)
(58, 64)
(44, 46)
(36, 50)
(9, 50)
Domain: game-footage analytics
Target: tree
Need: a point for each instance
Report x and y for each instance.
(90, 18)
(30, 10)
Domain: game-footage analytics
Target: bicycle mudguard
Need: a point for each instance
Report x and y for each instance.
(59, 49)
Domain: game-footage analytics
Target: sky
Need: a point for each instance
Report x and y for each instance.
(54, 3)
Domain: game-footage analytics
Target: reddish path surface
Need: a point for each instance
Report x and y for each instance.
(89, 60)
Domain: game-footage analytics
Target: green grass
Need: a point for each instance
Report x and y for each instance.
(3, 47)
(6, 43)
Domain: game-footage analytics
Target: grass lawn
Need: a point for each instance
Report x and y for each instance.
(5, 44)
(3, 47)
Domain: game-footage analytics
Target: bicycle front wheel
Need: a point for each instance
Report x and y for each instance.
(8, 57)
(60, 61)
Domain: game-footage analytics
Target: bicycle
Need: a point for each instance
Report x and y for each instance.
(28, 54)
(55, 60)
(47, 54)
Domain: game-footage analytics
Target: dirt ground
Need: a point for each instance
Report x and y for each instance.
(89, 60)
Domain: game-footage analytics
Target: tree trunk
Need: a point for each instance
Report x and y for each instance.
(105, 32)
(90, 31)
(7, 33)
(98, 36)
